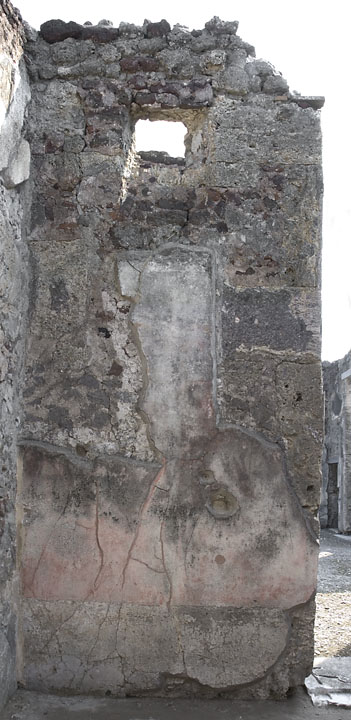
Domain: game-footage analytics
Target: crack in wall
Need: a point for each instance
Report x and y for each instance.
(142, 512)
(101, 552)
(30, 586)
(167, 573)
(143, 361)
(160, 572)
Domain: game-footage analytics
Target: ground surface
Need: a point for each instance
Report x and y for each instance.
(32, 706)
(333, 637)
(333, 618)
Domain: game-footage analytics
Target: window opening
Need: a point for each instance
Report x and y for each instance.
(333, 495)
(160, 136)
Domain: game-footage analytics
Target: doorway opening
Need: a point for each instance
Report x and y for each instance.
(333, 496)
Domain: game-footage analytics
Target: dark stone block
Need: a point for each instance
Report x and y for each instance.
(199, 217)
(133, 63)
(262, 318)
(158, 29)
(171, 204)
(166, 100)
(100, 34)
(145, 98)
(139, 82)
(221, 27)
(54, 31)
(149, 64)
(309, 101)
(198, 93)
(154, 156)
(172, 88)
(168, 217)
(129, 64)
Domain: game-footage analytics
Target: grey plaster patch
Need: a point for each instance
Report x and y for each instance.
(177, 345)
(140, 648)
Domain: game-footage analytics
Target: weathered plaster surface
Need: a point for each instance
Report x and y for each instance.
(169, 474)
(14, 170)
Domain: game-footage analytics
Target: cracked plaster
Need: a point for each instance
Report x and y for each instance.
(170, 442)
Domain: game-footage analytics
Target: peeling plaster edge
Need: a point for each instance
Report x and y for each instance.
(286, 611)
(164, 250)
(278, 447)
(87, 464)
(260, 437)
(235, 689)
(144, 371)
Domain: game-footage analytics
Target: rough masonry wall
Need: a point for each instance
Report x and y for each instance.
(169, 477)
(335, 509)
(14, 170)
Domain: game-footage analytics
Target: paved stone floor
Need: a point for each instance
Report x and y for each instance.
(330, 682)
(334, 580)
(32, 706)
(333, 617)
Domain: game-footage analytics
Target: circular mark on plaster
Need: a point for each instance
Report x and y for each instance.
(206, 477)
(220, 559)
(222, 504)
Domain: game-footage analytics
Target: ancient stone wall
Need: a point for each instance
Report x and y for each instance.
(169, 466)
(14, 170)
(335, 510)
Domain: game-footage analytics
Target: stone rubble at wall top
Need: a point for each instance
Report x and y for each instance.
(215, 56)
(57, 30)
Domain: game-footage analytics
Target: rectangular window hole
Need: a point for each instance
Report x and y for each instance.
(160, 136)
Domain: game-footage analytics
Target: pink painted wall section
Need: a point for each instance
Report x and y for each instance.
(105, 552)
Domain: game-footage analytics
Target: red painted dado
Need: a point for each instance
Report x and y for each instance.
(161, 559)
